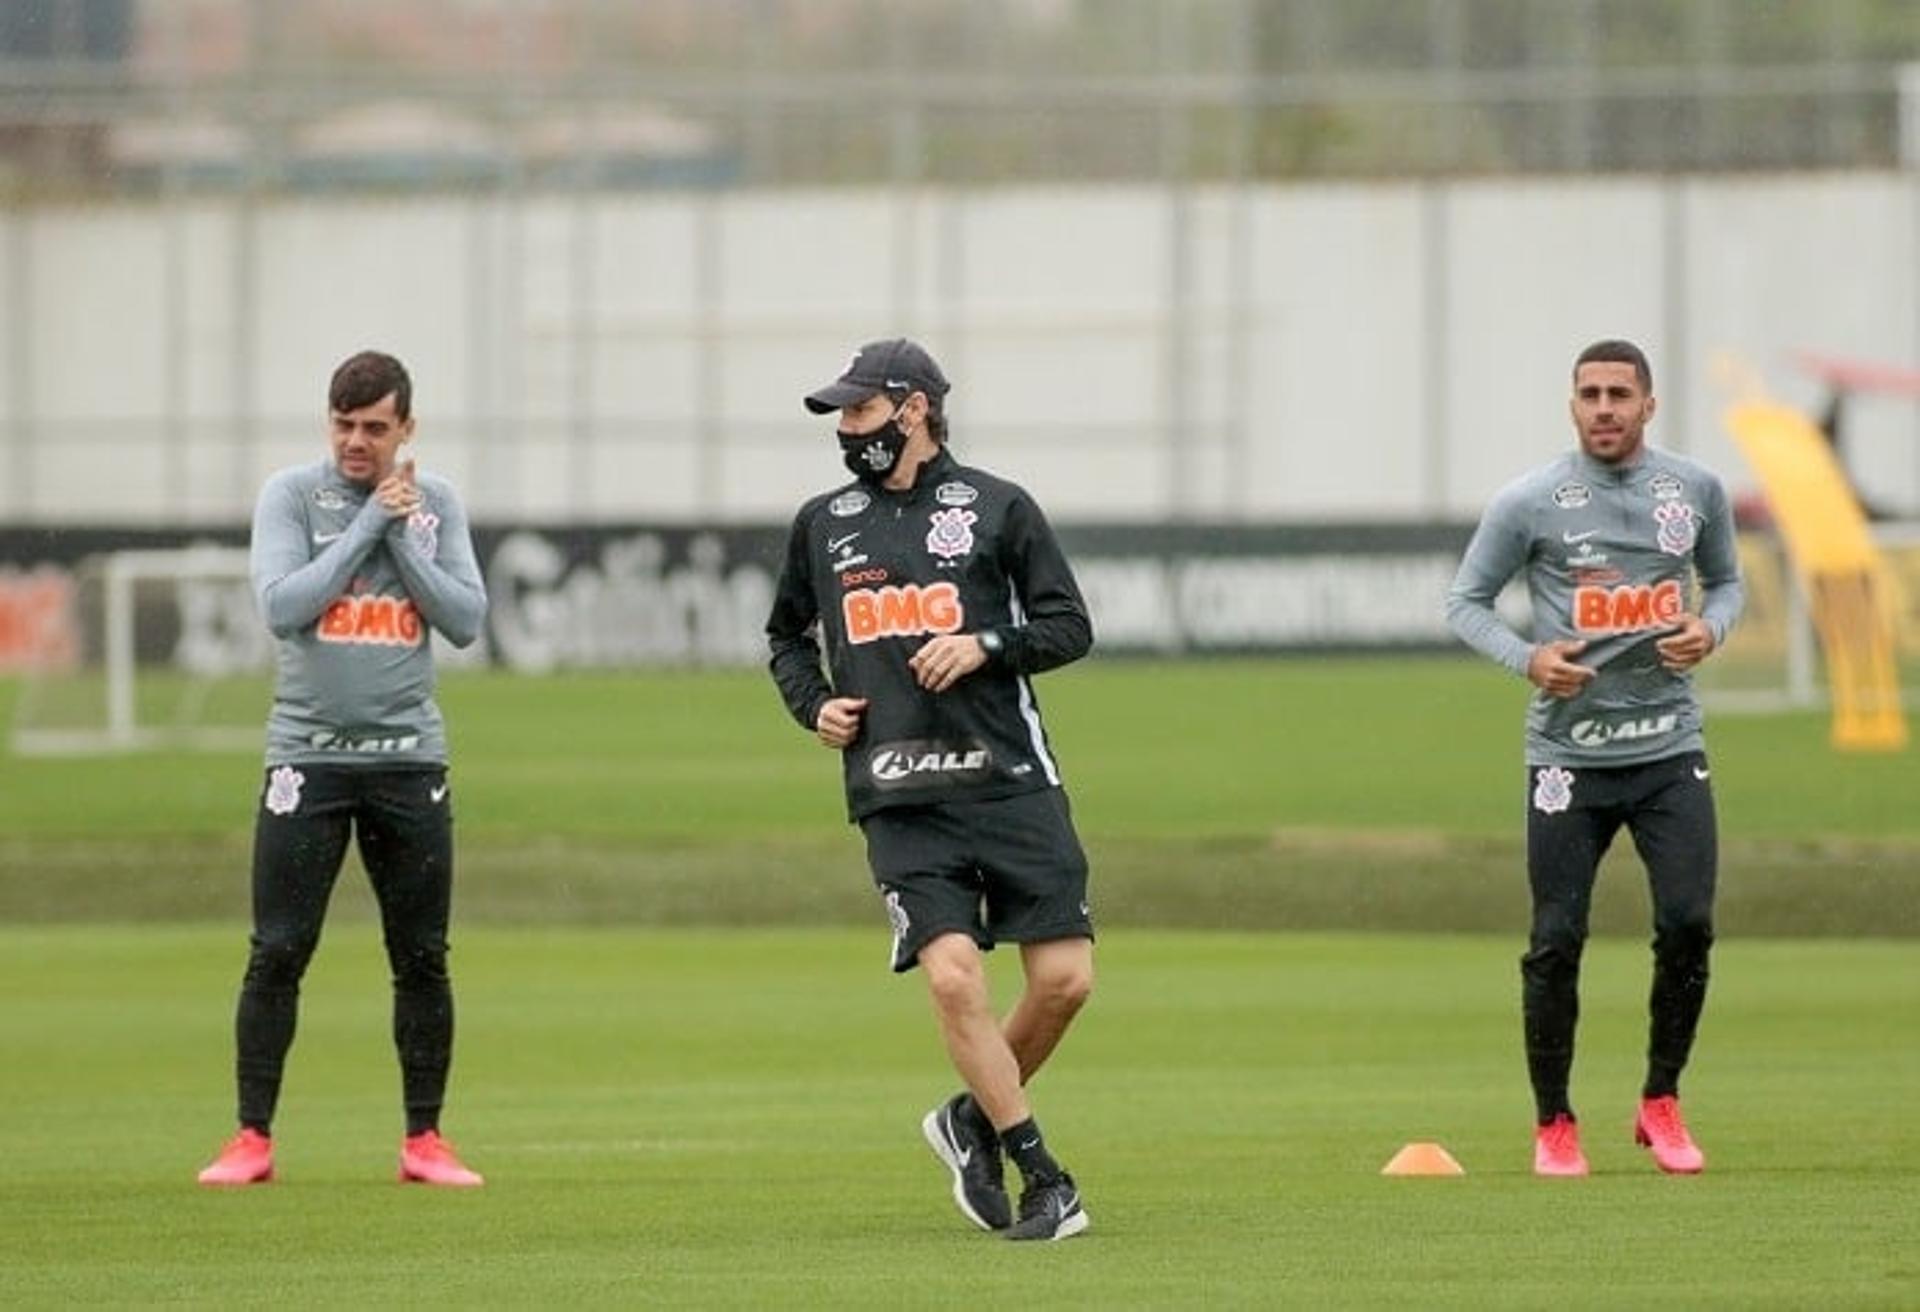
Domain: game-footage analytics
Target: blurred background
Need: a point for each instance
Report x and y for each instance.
(1262, 300)
(1259, 260)
(1274, 294)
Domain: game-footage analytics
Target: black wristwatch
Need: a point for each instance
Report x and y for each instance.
(991, 643)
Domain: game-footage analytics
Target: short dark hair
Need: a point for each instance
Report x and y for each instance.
(364, 378)
(1614, 350)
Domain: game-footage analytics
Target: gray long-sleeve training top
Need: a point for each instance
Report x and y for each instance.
(1609, 553)
(350, 593)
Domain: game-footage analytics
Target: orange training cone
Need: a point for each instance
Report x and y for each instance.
(1423, 1159)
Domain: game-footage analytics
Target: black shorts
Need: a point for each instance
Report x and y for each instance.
(1007, 868)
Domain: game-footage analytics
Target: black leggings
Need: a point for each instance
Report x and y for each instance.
(1572, 818)
(403, 819)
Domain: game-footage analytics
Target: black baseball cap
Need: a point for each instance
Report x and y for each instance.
(893, 364)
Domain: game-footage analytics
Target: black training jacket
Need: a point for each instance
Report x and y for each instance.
(880, 573)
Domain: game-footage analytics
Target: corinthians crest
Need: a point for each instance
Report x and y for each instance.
(283, 790)
(423, 527)
(897, 916)
(877, 456)
(1677, 527)
(1552, 790)
(952, 533)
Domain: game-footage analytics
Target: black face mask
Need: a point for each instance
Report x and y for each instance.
(872, 456)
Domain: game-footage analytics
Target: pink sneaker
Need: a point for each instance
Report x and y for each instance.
(1660, 1128)
(1556, 1148)
(429, 1159)
(247, 1158)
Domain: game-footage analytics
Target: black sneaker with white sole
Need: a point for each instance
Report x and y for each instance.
(1050, 1211)
(964, 1139)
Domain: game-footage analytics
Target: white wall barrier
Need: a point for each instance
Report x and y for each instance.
(1366, 352)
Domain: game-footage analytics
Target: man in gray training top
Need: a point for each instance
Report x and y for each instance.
(355, 559)
(1609, 537)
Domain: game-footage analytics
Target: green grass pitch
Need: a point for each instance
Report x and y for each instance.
(691, 1081)
(1288, 794)
(1152, 750)
(730, 1118)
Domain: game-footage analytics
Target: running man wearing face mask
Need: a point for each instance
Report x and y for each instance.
(936, 591)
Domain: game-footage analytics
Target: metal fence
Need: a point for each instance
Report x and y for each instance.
(111, 96)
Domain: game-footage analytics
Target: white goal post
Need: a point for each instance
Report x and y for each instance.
(183, 617)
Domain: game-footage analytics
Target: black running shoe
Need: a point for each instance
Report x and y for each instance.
(962, 1138)
(1050, 1211)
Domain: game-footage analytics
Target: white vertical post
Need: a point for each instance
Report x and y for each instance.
(1675, 316)
(119, 641)
(1177, 312)
(1243, 120)
(1910, 114)
(1800, 648)
(24, 431)
(1436, 314)
(906, 180)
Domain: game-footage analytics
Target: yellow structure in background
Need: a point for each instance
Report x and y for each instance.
(1844, 575)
